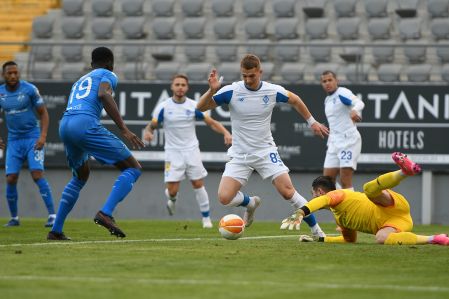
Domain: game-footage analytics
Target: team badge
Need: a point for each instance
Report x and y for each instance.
(265, 100)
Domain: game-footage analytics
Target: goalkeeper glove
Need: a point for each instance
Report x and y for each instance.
(292, 222)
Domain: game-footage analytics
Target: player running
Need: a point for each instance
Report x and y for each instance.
(83, 136)
(182, 153)
(378, 211)
(251, 102)
(20, 100)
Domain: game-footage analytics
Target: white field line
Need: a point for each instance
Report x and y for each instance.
(171, 282)
(69, 243)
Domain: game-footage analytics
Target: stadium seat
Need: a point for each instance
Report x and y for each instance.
(287, 53)
(416, 54)
(195, 53)
(267, 68)
(356, 72)
(102, 8)
(445, 72)
(317, 28)
(292, 73)
(198, 72)
(163, 28)
(407, 8)
(384, 54)
(134, 71)
(132, 8)
(133, 27)
(419, 72)
(286, 28)
(164, 71)
(192, 8)
(163, 8)
(226, 52)
(72, 53)
(345, 8)
(72, 71)
(389, 72)
(254, 8)
(410, 28)
(194, 28)
(133, 53)
(224, 28)
(223, 8)
(259, 48)
(348, 28)
(103, 28)
(230, 71)
(73, 27)
(379, 28)
(376, 8)
(163, 53)
(256, 28)
(440, 29)
(443, 52)
(42, 53)
(438, 8)
(42, 70)
(284, 8)
(314, 8)
(320, 53)
(43, 27)
(73, 7)
(321, 67)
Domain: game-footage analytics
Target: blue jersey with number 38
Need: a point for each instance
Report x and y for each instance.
(83, 97)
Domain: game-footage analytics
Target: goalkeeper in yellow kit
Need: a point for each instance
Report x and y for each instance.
(378, 210)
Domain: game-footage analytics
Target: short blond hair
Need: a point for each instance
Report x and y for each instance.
(250, 61)
(183, 76)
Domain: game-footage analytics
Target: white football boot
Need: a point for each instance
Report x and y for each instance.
(248, 217)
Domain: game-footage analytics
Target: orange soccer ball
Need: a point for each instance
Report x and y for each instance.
(231, 227)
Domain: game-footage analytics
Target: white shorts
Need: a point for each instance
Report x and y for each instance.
(178, 164)
(343, 151)
(267, 164)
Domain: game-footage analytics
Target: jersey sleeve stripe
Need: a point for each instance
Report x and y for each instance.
(282, 98)
(346, 101)
(223, 98)
(199, 115)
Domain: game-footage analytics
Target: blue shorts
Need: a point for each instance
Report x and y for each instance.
(17, 151)
(85, 136)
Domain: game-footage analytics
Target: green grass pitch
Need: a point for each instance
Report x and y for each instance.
(179, 259)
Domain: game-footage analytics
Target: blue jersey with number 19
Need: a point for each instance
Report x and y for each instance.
(84, 94)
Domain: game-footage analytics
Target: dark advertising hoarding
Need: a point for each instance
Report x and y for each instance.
(412, 119)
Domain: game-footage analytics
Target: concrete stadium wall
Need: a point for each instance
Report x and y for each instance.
(147, 200)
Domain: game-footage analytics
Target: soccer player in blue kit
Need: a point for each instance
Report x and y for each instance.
(20, 100)
(83, 136)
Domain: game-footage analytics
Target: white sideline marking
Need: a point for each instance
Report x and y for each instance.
(152, 281)
(62, 243)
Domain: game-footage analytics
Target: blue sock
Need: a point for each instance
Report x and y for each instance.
(45, 191)
(310, 220)
(12, 198)
(121, 188)
(245, 201)
(68, 199)
(205, 214)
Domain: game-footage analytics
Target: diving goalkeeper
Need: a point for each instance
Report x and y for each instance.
(378, 210)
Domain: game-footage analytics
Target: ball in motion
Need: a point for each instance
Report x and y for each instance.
(231, 227)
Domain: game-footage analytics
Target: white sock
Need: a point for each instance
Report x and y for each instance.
(202, 198)
(337, 185)
(297, 201)
(15, 218)
(52, 215)
(316, 230)
(238, 199)
(169, 197)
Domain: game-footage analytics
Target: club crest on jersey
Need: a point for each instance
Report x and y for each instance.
(265, 100)
(188, 112)
(20, 97)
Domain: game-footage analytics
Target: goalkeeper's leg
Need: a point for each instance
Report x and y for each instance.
(389, 236)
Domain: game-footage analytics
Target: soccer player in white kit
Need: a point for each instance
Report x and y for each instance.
(182, 154)
(251, 102)
(343, 109)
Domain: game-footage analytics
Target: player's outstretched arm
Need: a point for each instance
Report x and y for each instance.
(110, 106)
(206, 102)
(317, 128)
(44, 123)
(219, 128)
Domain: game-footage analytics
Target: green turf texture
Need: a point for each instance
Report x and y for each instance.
(179, 259)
